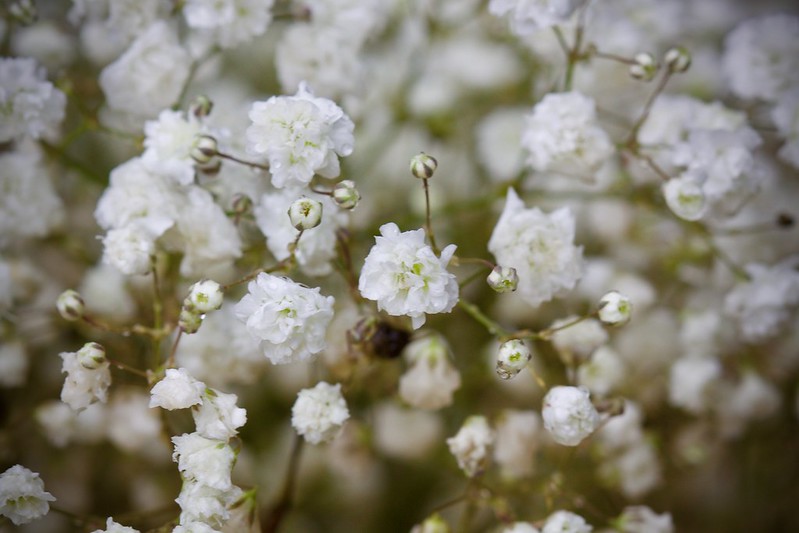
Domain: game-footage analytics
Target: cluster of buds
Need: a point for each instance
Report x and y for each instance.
(677, 59)
(204, 296)
(644, 67)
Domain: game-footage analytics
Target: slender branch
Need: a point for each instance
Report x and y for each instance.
(127, 368)
(285, 501)
(170, 362)
(428, 224)
(235, 159)
(475, 312)
(632, 136)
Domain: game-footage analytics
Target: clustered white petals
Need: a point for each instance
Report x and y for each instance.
(569, 415)
(566, 521)
(528, 17)
(114, 527)
(319, 413)
(30, 106)
(405, 277)
(472, 445)
(432, 379)
(83, 386)
(22, 495)
(178, 390)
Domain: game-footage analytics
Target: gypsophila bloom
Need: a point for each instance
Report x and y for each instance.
(472, 445)
(169, 143)
(178, 390)
(205, 296)
(405, 277)
(319, 413)
(785, 116)
(91, 355)
(566, 522)
(603, 372)
(518, 437)
(692, 382)
(614, 309)
(503, 279)
(512, 357)
(432, 379)
(520, 527)
(114, 527)
(305, 213)
(540, 247)
(130, 249)
(685, 197)
(200, 503)
(13, 364)
(299, 136)
(29, 105)
(432, 524)
(22, 495)
(194, 527)
(289, 320)
(562, 135)
(569, 415)
(346, 195)
(527, 16)
(217, 416)
(577, 342)
(228, 23)
(642, 519)
(205, 461)
(84, 386)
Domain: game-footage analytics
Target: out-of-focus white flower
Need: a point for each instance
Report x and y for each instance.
(540, 247)
(527, 17)
(752, 398)
(228, 22)
(195, 527)
(114, 527)
(432, 379)
(521, 527)
(150, 75)
(288, 319)
(61, 425)
(168, 143)
(299, 136)
(218, 417)
(84, 386)
(692, 382)
(761, 56)
(642, 519)
(406, 433)
(22, 495)
(512, 358)
(178, 390)
(130, 248)
(685, 197)
(432, 524)
(105, 291)
(577, 342)
(518, 436)
(13, 364)
(786, 117)
(30, 106)
(202, 460)
(562, 135)
(634, 469)
(319, 413)
(472, 445)
(569, 415)
(603, 372)
(499, 137)
(614, 309)
(563, 521)
(132, 425)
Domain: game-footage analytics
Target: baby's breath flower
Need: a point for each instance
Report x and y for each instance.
(319, 413)
(22, 495)
(569, 415)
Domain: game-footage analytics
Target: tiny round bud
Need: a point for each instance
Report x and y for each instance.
(512, 357)
(685, 197)
(70, 305)
(423, 166)
(615, 309)
(677, 59)
(189, 320)
(346, 195)
(201, 106)
(785, 220)
(91, 356)
(204, 296)
(204, 149)
(242, 204)
(645, 67)
(503, 279)
(305, 213)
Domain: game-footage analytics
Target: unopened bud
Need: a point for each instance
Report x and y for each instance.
(91, 356)
(423, 166)
(685, 197)
(503, 279)
(204, 296)
(189, 320)
(242, 204)
(70, 305)
(201, 106)
(512, 357)
(677, 59)
(204, 149)
(305, 213)
(615, 309)
(645, 67)
(346, 195)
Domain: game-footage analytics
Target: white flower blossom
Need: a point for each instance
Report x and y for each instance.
(578, 341)
(405, 277)
(685, 197)
(13, 364)
(566, 522)
(168, 143)
(30, 106)
(432, 378)
(529, 16)
(205, 461)
(84, 386)
(786, 117)
(228, 22)
(521, 527)
(178, 390)
(217, 416)
(22, 495)
(130, 248)
(518, 438)
(204, 504)
(540, 247)
(603, 372)
(114, 527)
(472, 445)
(642, 519)
(319, 413)
(692, 381)
(569, 415)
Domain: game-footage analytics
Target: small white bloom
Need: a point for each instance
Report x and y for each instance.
(472, 445)
(527, 17)
(785, 116)
(432, 524)
(432, 378)
(512, 358)
(305, 213)
(205, 296)
(615, 309)
(521, 527)
(169, 142)
(540, 247)
(603, 372)
(518, 438)
(346, 195)
(194, 526)
(205, 461)
(84, 386)
(22, 495)
(130, 248)
(642, 519)
(132, 426)
(577, 342)
(405, 277)
(288, 319)
(228, 22)
(692, 382)
(319, 413)
(503, 279)
(114, 527)
(499, 139)
(178, 390)
(200, 503)
(404, 433)
(29, 105)
(218, 417)
(569, 415)
(13, 364)
(566, 522)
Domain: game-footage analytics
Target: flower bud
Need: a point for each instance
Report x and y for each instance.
(305, 213)
(423, 166)
(242, 204)
(204, 149)
(189, 320)
(512, 357)
(70, 305)
(503, 279)
(201, 106)
(645, 67)
(685, 197)
(91, 356)
(615, 309)
(204, 296)
(346, 195)
(677, 59)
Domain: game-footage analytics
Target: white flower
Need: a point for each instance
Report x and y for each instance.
(578, 341)
(499, 137)
(218, 417)
(518, 436)
(569, 415)
(205, 296)
(130, 248)
(319, 413)
(178, 390)
(692, 381)
(512, 358)
(635, 469)
(205, 461)
(432, 379)
(786, 117)
(642, 519)
(529, 16)
(566, 522)
(29, 105)
(405, 277)
(13, 364)
(168, 144)
(300, 136)
(22, 495)
(150, 75)
(200, 503)
(603, 372)
(84, 386)
(472, 445)
(305, 213)
(562, 135)
(405, 433)
(288, 319)
(540, 247)
(113, 527)
(61, 425)
(228, 22)
(761, 56)
(685, 197)
(132, 425)
(614, 309)
(194, 527)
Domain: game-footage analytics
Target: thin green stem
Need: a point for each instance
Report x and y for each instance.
(473, 311)
(632, 136)
(285, 500)
(428, 224)
(128, 368)
(235, 159)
